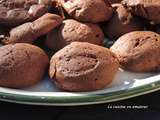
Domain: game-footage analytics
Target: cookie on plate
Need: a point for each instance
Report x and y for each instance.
(138, 51)
(88, 10)
(75, 31)
(21, 65)
(83, 67)
(30, 31)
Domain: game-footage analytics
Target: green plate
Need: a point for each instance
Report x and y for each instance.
(125, 85)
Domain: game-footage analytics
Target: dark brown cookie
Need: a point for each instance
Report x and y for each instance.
(138, 51)
(122, 22)
(148, 9)
(88, 10)
(83, 67)
(16, 12)
(74, 31)
(21, 65)
(30, 31)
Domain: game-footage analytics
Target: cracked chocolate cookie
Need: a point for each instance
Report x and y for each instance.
(88, 10)
(83, 67)
(138, 51)
(148, 9)
(21, 65)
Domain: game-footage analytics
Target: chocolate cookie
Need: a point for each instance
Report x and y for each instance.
(148, 9)
(122, 22)
(88, 10)
(21, 65)
(138, 51)
(30, 31)
(83, 67)
(74, 31)
(16, 12)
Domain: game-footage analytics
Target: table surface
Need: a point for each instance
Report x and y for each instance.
(11, 111)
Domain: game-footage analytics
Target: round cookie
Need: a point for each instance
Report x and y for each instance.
(21, 65)
(83, 67)
(148, 9)
(123, 22)
(138, 51)
(74, 31)
(88, 10)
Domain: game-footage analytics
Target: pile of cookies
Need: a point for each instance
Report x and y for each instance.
(75, 31)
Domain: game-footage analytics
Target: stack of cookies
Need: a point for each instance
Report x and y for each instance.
(74, 31)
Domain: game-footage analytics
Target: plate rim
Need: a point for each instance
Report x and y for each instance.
(81, 99)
